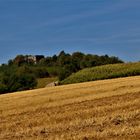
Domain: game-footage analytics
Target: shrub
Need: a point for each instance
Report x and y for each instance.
(21, 82)
(3, 88)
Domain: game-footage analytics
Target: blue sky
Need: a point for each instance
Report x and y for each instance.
(48, 26)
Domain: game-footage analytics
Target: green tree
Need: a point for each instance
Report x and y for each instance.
(21, 82)
(3, 88)
(20, 59)
(77, 57)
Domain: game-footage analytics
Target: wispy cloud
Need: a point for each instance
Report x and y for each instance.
(128, 36)
(114, 7)
(84, 15)
(109, 9)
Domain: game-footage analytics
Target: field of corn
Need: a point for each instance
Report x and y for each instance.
(104, 72)
(107, 109)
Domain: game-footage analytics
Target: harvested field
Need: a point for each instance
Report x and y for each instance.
(108, 109)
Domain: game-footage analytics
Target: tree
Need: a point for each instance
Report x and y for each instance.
(66, 71)
(21, 82)
(41, 72)
(3, 88)
(77, 57)
(63, 59)
(20, 59)
(10, 62)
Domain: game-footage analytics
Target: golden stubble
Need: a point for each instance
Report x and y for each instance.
(108, 109)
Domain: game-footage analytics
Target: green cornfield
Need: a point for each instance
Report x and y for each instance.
(104, 72)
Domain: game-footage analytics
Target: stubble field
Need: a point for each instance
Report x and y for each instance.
(108, 109)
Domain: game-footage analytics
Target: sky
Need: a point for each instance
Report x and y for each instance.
(49, 26)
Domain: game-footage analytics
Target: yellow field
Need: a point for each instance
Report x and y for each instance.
(108, 109)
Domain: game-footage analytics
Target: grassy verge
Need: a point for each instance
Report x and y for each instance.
(42, 82)
(104, 72)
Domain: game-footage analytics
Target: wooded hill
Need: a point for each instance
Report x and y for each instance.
(22, 72)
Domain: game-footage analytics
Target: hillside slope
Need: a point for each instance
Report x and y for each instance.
(108, 109)
(104, 72)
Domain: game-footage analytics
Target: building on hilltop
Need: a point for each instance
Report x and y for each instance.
(34, 58)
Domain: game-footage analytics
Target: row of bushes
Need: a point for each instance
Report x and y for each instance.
(104, 72)
(17, 82)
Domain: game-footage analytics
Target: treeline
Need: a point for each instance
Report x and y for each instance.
(21, 73)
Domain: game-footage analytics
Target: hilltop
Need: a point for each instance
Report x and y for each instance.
(24, 71)
(107, 109)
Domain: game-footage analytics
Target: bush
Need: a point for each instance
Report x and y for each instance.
(3, 88)
(17, 82)
(65, 71)
(41, 72)
(21, 82)
(54, 71)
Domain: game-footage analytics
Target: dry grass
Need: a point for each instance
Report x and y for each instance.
(108, 109)
(42, 82)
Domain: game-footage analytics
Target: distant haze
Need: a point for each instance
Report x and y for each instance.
(91, 26)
